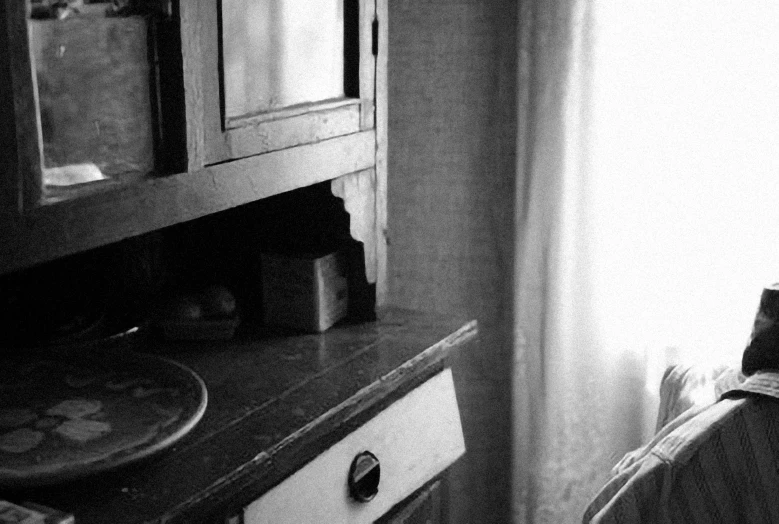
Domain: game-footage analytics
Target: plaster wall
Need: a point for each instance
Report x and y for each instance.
(452, 129)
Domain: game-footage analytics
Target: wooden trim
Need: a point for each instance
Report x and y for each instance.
(305, 128)
(63, 228)
(358, 191)
(28, 125)
(22, 181)
(198, 25)
(382, 15)
(10, 187)
(367, 63)
(216, 145)
(289, 112)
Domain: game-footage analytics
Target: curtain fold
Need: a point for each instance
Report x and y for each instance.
(646, 223)
(565, 439)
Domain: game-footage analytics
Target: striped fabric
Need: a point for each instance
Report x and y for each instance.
(710, 465)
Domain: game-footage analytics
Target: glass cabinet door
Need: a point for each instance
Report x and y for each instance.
(274, 74)
(108, 92)
(281, 53)
(95, 74)
(94, 107)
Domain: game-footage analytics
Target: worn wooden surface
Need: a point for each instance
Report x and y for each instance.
(255, 136)
(10, 183)
(58, 229)
(367, 63)
(275, 403)
(288, 112)
(198, 23)
(320, 122)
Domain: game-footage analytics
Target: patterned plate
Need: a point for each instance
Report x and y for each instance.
(63, 418)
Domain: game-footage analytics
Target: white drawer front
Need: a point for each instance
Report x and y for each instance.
(414, 439)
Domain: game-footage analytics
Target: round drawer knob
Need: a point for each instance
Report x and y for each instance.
(364, 476)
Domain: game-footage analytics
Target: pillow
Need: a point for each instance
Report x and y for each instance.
(685, 391)
(686, 386)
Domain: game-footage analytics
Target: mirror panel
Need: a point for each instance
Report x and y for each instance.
(92, 68)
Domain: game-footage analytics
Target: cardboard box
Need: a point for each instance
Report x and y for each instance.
(305, 292)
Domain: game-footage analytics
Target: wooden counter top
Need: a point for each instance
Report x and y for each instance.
(275, 402)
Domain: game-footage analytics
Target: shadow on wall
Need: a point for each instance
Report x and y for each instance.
(452, 127)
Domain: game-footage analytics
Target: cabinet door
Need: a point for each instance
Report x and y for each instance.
(91, 99)
(87, 97)
(266, 75)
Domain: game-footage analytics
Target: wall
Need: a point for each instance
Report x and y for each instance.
(452, 126)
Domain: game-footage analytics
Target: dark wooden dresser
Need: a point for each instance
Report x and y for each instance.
(286, 417)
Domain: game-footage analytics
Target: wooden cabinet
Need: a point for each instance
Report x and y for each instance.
(221, 147)
(211, 153)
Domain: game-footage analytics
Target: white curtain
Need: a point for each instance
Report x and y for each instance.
(647, 220)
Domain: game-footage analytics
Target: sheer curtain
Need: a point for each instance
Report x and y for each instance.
(647, 220)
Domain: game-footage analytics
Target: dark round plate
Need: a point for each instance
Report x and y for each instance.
(67, 417)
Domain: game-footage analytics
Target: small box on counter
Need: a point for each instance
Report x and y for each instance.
(304, 291)
(209, 313)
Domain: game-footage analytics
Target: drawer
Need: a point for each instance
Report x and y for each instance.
(414, 439)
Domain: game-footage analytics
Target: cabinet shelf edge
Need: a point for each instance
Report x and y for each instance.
(57, 229)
